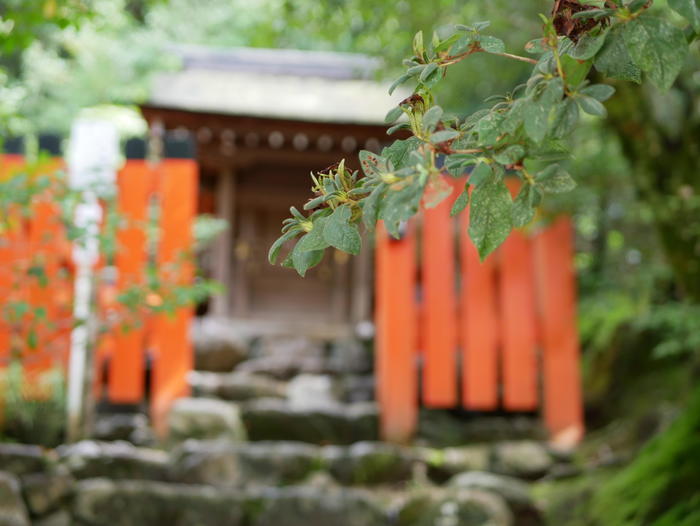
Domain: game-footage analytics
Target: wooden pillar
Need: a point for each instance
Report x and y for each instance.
(223, 248)
(361, 294)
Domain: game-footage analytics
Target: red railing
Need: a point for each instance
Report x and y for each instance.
(497, 335)
(163, 339)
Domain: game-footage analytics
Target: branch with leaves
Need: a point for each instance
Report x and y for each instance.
(524, 133)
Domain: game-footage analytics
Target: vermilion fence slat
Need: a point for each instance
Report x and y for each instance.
(396, 314)
(45, 248)
(518, 331)
(8, 253)
(127, 365)
(439, 307)
(562, 389)
(479, 326)
(171, 343)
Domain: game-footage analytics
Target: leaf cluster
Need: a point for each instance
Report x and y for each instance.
(523, 134)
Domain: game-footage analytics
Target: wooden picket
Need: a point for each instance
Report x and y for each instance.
(122, 351)
(499, 316)
(127, 366)
(397, 318)
(172, 348)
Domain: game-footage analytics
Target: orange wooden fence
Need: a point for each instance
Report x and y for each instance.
(122, 353)
(492, 336)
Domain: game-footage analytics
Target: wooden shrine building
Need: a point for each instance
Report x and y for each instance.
(262, 120)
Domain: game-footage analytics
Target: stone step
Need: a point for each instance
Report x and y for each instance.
(275, 483)
(309, 389)
(227, 463)
(478, 500)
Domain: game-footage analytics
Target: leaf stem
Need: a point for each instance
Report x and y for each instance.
(517, 57)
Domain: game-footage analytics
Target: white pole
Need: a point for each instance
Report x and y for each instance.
(92, 161)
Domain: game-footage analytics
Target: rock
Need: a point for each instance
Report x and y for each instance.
(101, 502)
(269, 419)
(285, 357)
(312, 391)
(236, 386)
(12, 509)
(22, 458)
(515, 492)
(132, 427)
(277, 463)
(369, 463)
(444, 463)
(227, 464)
(454, 508)
(440, 428)
(59, 518)
(350, 357)
(206, 462)
(309, 506)
(117, 460)
(283, 367)
(525, 459)
(44, 492)
(204, 418)
(357, 388)
(217, 346)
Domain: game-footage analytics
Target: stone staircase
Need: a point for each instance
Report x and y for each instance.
(280, 433)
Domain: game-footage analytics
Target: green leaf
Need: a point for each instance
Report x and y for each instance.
(658, 47)
(461, 202)
(314, 240)
(536, 46)
(514, 117)
(588, 46)
(443, 135)
(480, 173)
(575, 70)
(397, 153)
(400, 204)
(370, 206)
(418, 47)
(432, 117)
(490, 215)
(403, 78)
(591, 106)
(373, 165)
(554, 180)
(277, 245)
(461, 45)
(511, 154)
(614, 60)
(393, 114)
(303, 261)
(689, 10)
(523, 208)
(489, 128)
(492, 44)
(340, 233)
(600, 92)
(428, 72)
(445, 44)
(536, 113)
(566, 118)
(399, 126)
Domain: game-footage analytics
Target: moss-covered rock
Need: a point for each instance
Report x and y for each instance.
(116, 460)
(456, 507)
(102, 502)
(370, 463)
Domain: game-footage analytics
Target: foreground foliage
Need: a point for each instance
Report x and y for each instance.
(523, 134)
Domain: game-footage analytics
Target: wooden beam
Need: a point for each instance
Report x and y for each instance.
(223, 247)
